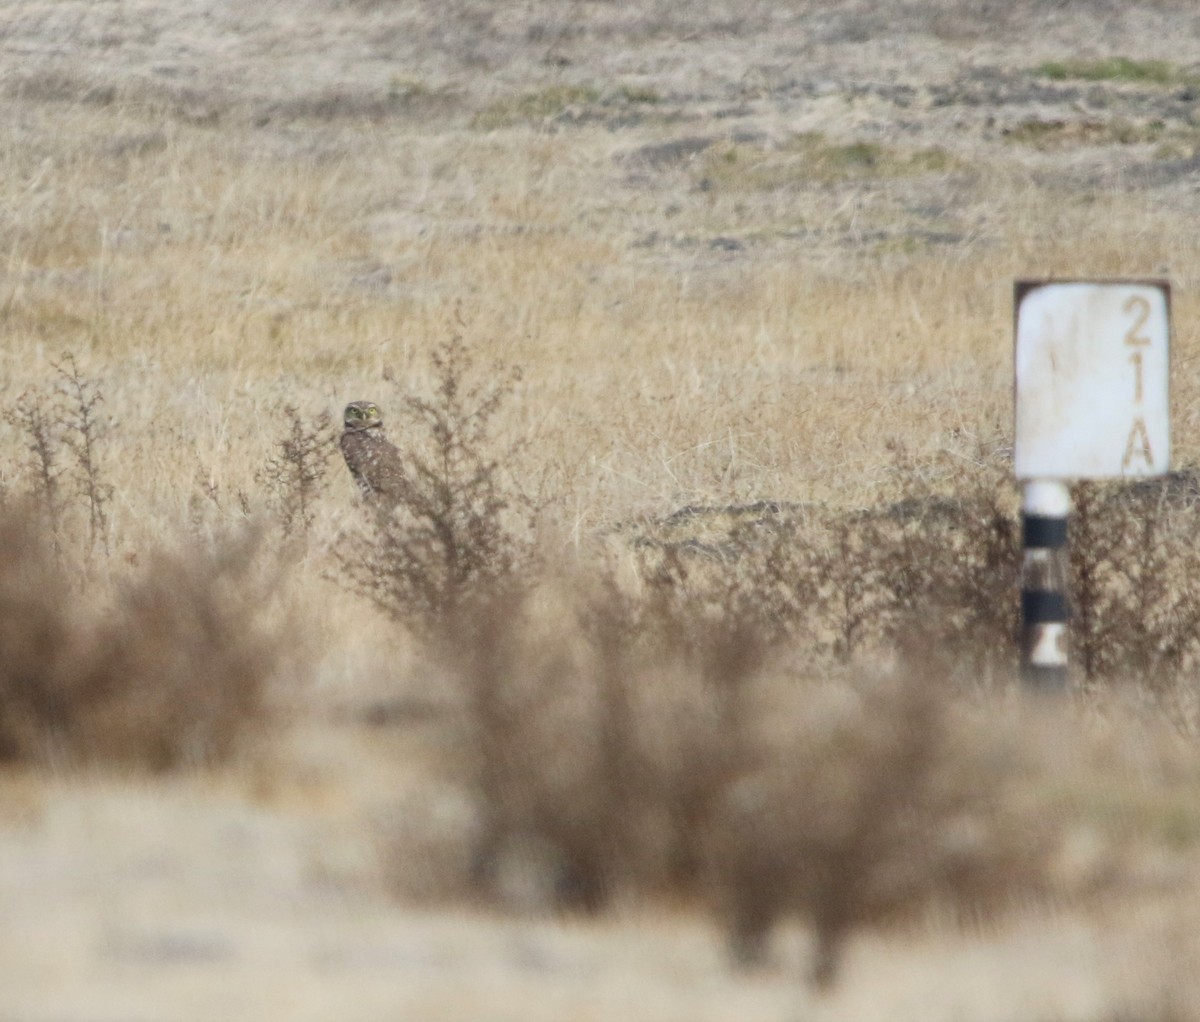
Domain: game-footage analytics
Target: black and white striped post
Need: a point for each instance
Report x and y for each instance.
(1092, 373)
(1045, 506)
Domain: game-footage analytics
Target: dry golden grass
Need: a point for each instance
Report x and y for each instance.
(207, 279)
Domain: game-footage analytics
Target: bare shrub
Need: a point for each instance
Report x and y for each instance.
(172, 675)
(951, 567)
(39, 643)
(707, 638)
(1135, 579)
(179, 669)
(54, 424)
(596, 730)
(458, 527)
(550, 744)
(537, 769)
(37, 422)
(632, 747)
(743, 577)
(295, 475)
(880, 797)
(845, 583)
(84, 428)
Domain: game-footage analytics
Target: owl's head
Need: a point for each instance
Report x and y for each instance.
(362, 415)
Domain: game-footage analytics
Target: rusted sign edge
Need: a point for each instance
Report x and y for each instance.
(1022, 286)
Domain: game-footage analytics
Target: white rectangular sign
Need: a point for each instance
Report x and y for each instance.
(1092, 368)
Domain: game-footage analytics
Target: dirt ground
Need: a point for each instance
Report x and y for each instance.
(270, 891)
(187, 901)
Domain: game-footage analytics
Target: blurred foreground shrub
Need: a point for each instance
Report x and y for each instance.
(599, 730)
(172, 673)
(880, 797)
(772, 710)
(810, 718)
(614, 755)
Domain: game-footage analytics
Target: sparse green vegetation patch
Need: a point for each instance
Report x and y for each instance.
(1115, 69)
(1057, 132)
(532, 107)
(556, 100)
(811, 157)
(639, 94)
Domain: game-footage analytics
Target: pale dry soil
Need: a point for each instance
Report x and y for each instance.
(190, 900)
(293, 196)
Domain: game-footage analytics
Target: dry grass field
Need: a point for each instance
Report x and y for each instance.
(267, 755)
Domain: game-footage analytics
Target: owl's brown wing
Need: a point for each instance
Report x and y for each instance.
(374, 463)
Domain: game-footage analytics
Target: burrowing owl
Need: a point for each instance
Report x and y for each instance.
(373, 461)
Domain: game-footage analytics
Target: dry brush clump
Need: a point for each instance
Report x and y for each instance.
(162, 661)
(62, 429)
(595, 730)
(296, 473)
(937, 564)
(941, 565)
(948, 564)
(613, 756)
(41, 647)
(168, 669)
(1135, 585)
(882, 795)
(455, 526)
(534, 745)
(183, 661)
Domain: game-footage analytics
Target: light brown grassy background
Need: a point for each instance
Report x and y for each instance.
(740, 251)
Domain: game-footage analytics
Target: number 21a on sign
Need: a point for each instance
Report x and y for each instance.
(1092, 379)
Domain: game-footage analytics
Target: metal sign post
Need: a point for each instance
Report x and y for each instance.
(1092, 374)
